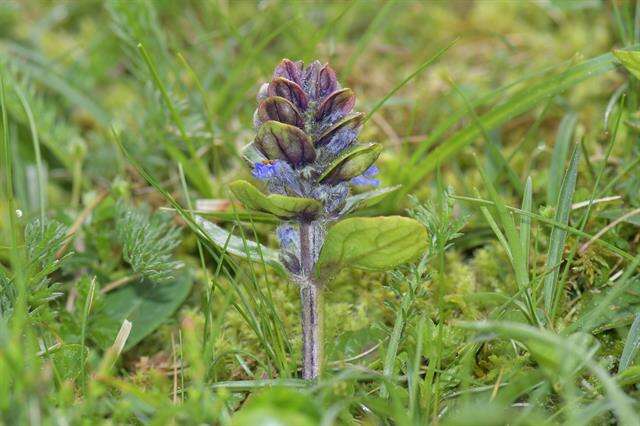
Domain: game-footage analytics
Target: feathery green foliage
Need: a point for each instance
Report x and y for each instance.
(148, 242)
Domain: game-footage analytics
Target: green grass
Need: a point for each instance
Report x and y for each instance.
(510, 127)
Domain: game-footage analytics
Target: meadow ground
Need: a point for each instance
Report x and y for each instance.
(512, 128)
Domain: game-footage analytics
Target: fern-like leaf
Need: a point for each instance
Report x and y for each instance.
(148, 242)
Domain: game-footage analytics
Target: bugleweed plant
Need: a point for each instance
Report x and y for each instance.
(135, 289)
(307, 154)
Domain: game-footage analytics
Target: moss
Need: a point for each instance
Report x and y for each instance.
(492, 269)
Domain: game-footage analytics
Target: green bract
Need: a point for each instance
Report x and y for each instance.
(279, 109)
(281, 141)
(342, 101)
(367, 198)
(278, 205)
(352, 121)
(351, 163)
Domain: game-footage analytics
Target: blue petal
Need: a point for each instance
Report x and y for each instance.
(371, 171)
(362, 180)
(341, 140)
(263, 171)
(287, 236)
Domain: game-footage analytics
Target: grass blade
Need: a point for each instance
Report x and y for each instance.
(631, 345)
(42, 196)
(559, 156)
(525, 221)
(558, 236)
(551, 222)
(519, 103)
(376, 24)
(198, 173)
(494, 151)
(589, 319)
(622, 404)
(514, 245)
(506, 220)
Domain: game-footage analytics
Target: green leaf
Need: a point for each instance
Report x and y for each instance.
(246, 249)
(558, 235)
(278, 406)
(630, 60)
(67, 360)
(251, 154)
(367, 199)
(371, 243)
(279, 205)
(559, 156)
(148, 242)
(631, 345)
(146, 304)
(351, 163)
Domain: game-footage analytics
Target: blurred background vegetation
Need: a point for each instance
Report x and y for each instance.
(466, 95)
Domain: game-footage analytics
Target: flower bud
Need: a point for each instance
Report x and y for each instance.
(320, 80)
(338, 104)
(290, 70)
(279, 109)
(279, 141)
(289, 90)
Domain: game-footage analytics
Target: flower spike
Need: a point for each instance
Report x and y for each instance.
(307, 154)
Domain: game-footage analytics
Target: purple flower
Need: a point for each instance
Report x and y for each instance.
(289, 247)
(278, 175)
(332, 196)
(264, 170)
(336, 196)
(341, 140)
(287, 236)
(366, 178)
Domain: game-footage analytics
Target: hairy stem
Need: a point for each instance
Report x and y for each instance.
(311, 308)
(311, 331)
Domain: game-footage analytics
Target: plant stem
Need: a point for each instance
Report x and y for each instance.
(311, 308)
(311, 331)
